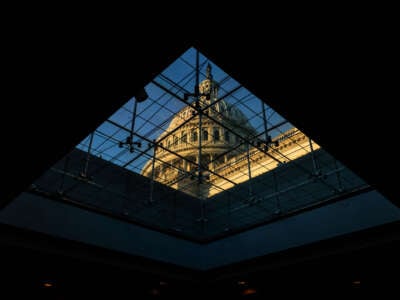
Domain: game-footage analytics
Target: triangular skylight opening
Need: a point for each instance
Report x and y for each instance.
(199, 163)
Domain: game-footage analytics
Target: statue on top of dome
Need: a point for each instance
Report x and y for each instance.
(208, 72)
(208, 85)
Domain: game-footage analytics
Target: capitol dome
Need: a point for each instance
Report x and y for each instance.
(198, 139)
(228, 114)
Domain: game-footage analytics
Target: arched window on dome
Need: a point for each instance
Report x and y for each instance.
(193, 136)
(205, 134)
(227, 136)
(175, 140)
(184, 137)
(216, 134)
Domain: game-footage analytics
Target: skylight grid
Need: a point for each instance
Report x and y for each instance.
(200, 157)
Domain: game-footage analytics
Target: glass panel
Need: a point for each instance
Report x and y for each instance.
(147, 164)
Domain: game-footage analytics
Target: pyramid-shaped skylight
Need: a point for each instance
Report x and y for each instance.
(197, 155)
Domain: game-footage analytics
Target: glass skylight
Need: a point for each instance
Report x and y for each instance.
(197, 155)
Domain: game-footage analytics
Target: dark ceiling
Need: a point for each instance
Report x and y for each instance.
(332, 86)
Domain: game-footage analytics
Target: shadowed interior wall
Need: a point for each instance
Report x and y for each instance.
(43, 215)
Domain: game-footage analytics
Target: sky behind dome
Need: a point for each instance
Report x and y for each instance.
(155, 114)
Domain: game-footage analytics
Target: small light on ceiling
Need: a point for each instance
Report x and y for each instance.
(155, 292)
(47, 284)
(249, 291)
(242, 282)
(356, 282)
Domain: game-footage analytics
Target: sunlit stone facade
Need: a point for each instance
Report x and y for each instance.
(205, 155)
